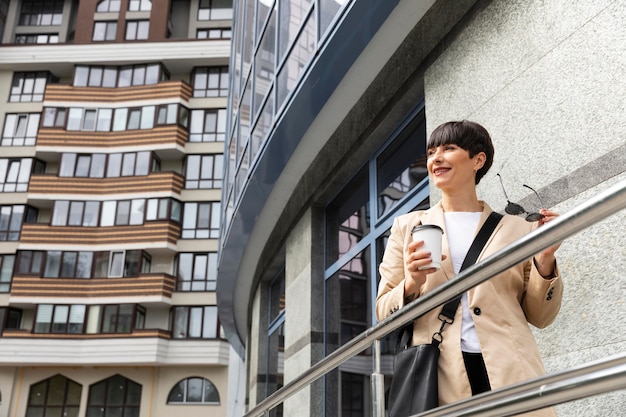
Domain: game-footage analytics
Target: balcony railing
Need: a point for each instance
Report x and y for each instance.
(157, 182)
(152, 92)
(161, 285)
(159, 137)
(595, 378)
(157, 234)
(137, 333)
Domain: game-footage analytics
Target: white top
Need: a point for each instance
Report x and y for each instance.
(460, 230)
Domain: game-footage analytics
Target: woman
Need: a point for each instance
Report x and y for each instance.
(489, 345)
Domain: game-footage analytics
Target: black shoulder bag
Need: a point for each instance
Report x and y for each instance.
(414, 387)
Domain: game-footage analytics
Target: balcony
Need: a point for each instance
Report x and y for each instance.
(157, 234)
(159, 137)
(142, 347)
(148, 285)
(158, 182)
(153, 92)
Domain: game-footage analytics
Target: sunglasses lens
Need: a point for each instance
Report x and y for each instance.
(533, 217)
(514, 209)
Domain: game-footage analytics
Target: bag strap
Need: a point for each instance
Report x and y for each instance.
(449, 309)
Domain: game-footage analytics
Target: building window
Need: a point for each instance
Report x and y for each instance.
(274, 375)
(10, 318)
(75, 213)
(117, 165)
(123, 213)
(106, 6)
(110, 213)
(194, 322)
(207, 125)
(210, 82)
(7, 262)
(99, 76)
(196, 271)
(201, 220)
(121, 119)
(60, 319)
(41, 13)
(89, 119)
(137, 30)
(20, 129)
(122, 318)
(204, 171)
(195, 390)
(28, 86)
(139, 5)
(104, 31)
(68, 264)
(15, 173)
(214, 34)
(215, 10)
(12, 218)
(115, 396)
(54, 117)
(163, 209)
(40, 39)
(56, 396)
(128, 263)
(171, 114)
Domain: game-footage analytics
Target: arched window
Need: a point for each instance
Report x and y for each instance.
(56, 396)
(194, 390)
(114, 396)
(108, 6)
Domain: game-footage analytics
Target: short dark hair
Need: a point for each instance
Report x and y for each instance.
(468, 135)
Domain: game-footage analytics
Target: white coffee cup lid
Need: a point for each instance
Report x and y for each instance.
(426, 226)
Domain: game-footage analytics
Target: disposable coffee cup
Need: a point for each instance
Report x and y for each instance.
(431, 235)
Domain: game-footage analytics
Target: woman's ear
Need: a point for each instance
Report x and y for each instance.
(480, 158)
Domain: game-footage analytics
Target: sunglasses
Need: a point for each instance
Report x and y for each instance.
(515, 209)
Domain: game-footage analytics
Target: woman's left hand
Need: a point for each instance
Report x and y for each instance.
(545, 260)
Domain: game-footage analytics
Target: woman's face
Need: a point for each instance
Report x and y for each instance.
(451, 168)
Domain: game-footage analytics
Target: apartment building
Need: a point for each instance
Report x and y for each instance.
(113, 119)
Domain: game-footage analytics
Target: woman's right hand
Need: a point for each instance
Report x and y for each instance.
(415, 259)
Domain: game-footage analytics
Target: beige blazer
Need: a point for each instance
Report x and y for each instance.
(501, 307)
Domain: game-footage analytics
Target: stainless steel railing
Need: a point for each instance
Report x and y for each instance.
(603, 205)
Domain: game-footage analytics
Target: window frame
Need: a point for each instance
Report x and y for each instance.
(29, 127)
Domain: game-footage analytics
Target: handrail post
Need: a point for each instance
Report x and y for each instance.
(377, 384)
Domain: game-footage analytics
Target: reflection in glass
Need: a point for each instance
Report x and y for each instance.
(296, 61)
(264, 64)
(347, 217)
(402, 166)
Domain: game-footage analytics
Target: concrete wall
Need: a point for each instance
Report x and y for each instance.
(546, 78)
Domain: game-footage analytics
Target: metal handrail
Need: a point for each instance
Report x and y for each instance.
(603, 205)
(593, 378)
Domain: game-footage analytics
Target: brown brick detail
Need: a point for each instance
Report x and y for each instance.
(154, 183)
(161, 135)
(162, 91)
(153, 232)
(145, 285)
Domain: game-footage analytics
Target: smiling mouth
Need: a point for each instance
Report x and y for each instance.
(439, 171)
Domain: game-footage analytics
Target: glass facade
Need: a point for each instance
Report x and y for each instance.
(274, 42)
(357, 223)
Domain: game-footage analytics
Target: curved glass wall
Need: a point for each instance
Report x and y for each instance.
(274, 42)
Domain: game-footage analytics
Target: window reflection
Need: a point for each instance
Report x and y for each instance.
(348, 301)
(297, 59)
(347, 218)
(402, 166)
